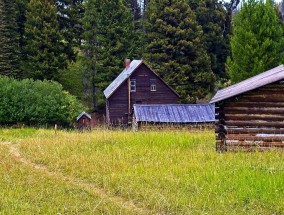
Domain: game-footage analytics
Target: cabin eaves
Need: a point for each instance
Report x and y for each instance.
(268, 77)
(82, 114)
(175, 113)
(125, 74)
(121, 78)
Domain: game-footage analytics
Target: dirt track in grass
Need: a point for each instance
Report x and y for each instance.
(88, 187)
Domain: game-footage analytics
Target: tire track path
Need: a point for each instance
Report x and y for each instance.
(89, 187)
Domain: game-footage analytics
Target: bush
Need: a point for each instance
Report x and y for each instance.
(36, 103)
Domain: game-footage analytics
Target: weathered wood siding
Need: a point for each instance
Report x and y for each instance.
(143, 94)
(84, 122)
(251, 121)
(117, 104)
(141, 126)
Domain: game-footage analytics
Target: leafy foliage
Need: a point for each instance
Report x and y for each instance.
(35, 102)
(257, 43)
(176, 50)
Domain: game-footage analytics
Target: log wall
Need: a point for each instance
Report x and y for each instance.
(251, 121)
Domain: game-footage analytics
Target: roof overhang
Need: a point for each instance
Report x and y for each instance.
(268, 77)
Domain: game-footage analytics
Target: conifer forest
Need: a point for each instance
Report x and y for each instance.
(196, 46)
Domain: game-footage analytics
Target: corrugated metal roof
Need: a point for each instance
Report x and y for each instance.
(175, 113)
(121, 78)
(82, 114)
(268, 77)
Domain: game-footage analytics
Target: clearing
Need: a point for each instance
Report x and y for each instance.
(121, 172)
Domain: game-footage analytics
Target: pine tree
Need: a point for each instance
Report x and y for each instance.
(43, 50)
(109, 36)
(175, 48)
(21, 9)
(231, 8)
(9, 39)
(70, 14)
(136, 13)
(257, 42)
(211, 15)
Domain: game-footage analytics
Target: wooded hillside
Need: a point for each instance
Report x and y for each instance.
(83, 44)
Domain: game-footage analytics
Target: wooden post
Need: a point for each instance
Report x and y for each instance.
(129, 94)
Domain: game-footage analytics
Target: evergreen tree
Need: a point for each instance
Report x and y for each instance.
(257, 42)
(109, 35)
(43, 50)
(9, 39)
(21, 8)
(138, 37)
(231, 8)
(136, 13)
(70, 14)
(211, 15)
(175, 48)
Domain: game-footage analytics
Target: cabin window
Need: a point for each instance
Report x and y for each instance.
(133, 85)
(153, 85)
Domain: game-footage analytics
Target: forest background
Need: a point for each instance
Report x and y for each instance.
(196, 46)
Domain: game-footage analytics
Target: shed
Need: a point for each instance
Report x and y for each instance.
(173, 114)
(249, 114)
(84, 120)
(136, 84)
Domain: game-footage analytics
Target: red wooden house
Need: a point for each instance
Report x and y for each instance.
(136, 84)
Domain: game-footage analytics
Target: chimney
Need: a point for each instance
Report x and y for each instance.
(127, 63)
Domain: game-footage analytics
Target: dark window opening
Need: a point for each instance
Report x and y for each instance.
(133, 85)
(153, 85)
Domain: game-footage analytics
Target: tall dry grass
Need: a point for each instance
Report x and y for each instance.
(169, 172)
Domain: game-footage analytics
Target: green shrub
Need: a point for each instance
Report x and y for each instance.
(35, 103)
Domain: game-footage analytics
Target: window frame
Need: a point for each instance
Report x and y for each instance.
(133, 85)
(153, 84)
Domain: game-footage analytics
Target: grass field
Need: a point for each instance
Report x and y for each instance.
(121, 172)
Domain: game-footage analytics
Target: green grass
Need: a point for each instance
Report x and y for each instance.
(169, 172)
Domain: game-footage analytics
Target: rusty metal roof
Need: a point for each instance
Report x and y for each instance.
(175, 113)
(122, 77)
(268, 77)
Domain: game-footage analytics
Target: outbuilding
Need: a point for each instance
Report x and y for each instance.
(249, 114)
(173, 116)
(84, 120)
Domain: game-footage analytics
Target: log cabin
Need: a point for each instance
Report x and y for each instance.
(136, 84)
(249, 114)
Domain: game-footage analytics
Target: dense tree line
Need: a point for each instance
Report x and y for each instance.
(258, 42)
(192, 44)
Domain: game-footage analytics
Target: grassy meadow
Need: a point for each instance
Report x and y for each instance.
(124, 172)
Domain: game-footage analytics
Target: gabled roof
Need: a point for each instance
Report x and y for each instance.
(175, 113)
(268, 77)
(83, 114)
(124, 75)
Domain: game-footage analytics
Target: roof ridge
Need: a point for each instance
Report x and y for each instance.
(251, 83)
(126, 72)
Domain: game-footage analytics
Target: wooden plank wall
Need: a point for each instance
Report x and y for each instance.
(251, 121)
(148, 126)
(118, 103)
